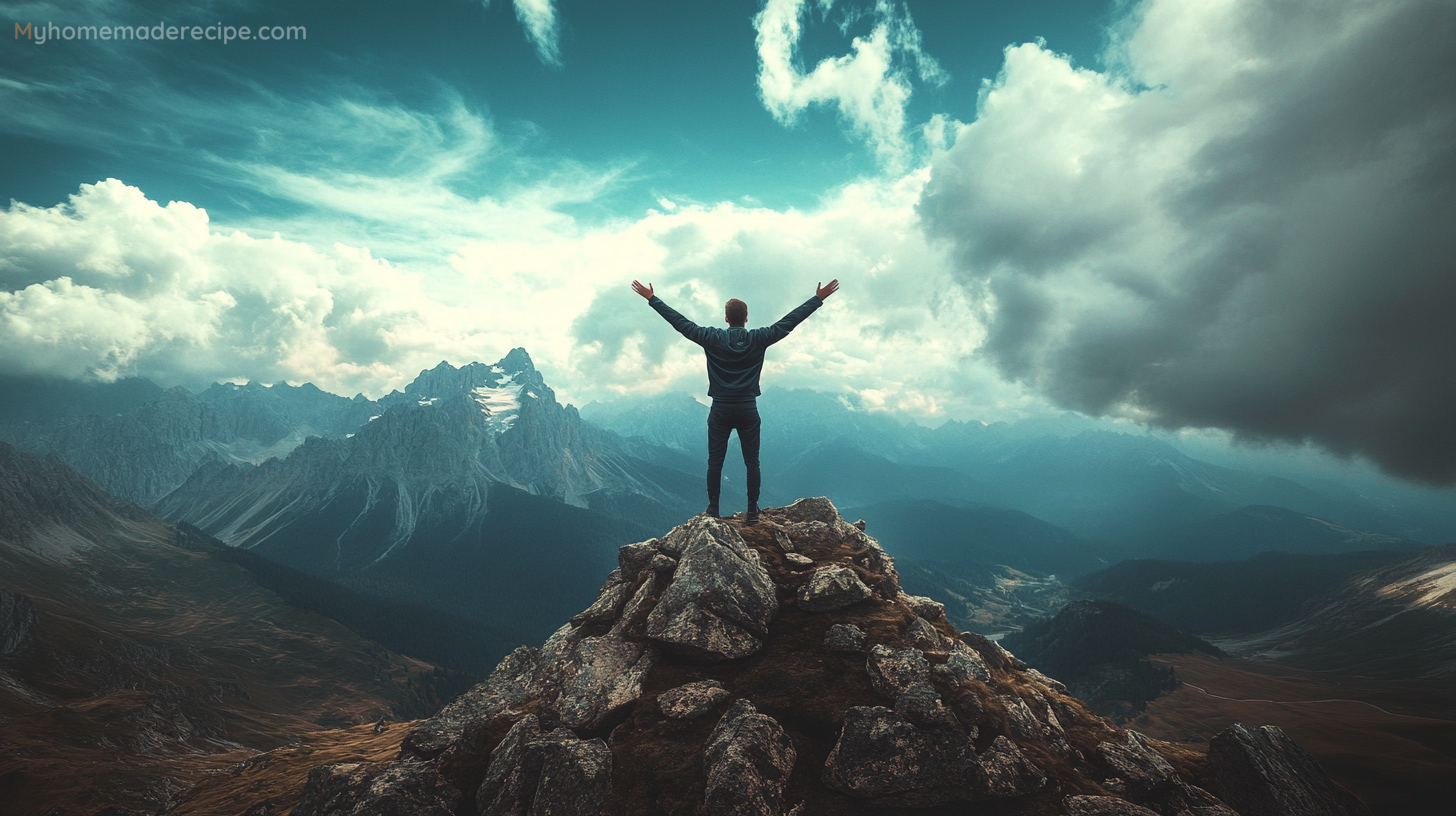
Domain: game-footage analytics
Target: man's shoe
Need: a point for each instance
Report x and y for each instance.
(752, 514)
(712, 511)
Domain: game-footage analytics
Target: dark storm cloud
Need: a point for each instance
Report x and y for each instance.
(1249, 223)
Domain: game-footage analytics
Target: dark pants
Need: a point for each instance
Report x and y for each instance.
(723, 418)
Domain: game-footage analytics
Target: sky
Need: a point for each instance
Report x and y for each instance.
(1187, 214)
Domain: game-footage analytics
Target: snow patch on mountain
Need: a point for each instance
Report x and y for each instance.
(501, 402)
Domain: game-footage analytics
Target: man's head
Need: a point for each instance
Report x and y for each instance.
(736, 311)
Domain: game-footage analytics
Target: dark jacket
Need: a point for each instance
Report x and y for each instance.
(735, 354)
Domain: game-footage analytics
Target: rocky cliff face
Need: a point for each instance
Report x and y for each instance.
(779, 669)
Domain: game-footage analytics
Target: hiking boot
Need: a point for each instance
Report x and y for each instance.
(712, 511)
(752, 513)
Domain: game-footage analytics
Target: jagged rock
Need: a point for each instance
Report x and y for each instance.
(921, 704)
(927, 608)
(860, 525)
(510, 684)
(402, 788)
(894, 670)
(1262, 772)
(782, 539)
(605, 678)
(17, 616)
(844, 637)
(533, 773)
(720, 595)
(1027, 726)
(1141, 768)
(884, 757)
(633, 558)
(799, 561)
(962, 666)
(748, 759)
(631, 622)
(1055, 685)
(662, 564)
(992, 652)
(1210, 810)
(1102, 806)
(920, 634)
(691, 701)
(609, 601)
(832, 587)
(554, 666)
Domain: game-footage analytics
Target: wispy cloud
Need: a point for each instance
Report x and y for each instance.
(539, 19)
(870, 86)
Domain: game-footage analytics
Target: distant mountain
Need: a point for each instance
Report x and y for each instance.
(473, 491)
(1227, 597)
(1397, 621)
(139, 442)
(1260, 528)
(128, 649)
(1097, 649)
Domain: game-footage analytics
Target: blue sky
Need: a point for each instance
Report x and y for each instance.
(1226, 215)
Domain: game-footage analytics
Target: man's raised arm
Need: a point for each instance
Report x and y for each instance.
(685, 327)
(786, 324)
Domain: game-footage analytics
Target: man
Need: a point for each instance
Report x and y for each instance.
(735, 359)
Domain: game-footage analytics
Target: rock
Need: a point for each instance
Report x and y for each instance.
(691, 701)
(832, 587)
(884, 757)
(608, 603)
(844, 637)
(631, 622)
(1262, 772)
(510, 684)
(720, 595)
(264, 808)
(17, 617)
(748, 759)
(894, 670)
(921, 704)
(819, 509)
(1027, 726)
(1102, 806)
(662, 564)
(401, 788)
(532, 772)
(860, 525)
(799, 561)
(782, 539)
(605, 679)
(991, 652)
(927, 608)
(920, 634)
(633, 558)
(1211, 810)
(1055, 685)
(1142, 769)
(962, 666)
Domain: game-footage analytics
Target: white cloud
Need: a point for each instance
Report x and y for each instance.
(539, 18)
(870, 85)
(1245, 224)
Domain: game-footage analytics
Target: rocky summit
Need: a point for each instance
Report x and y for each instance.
(716, 675)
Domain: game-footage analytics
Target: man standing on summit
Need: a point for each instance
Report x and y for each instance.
(735, 359)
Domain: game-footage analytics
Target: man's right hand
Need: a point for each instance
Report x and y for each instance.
(644, 291)
(825, 291)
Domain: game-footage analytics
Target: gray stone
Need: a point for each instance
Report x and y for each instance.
(1026, 726)
(631, 621)
(662, 564)
(605, 679)
(991, 653)
(884, 757)
(533, 773)
(799, 561)
(402, 788)
(1055, 685)
(921, 704)
(691, 701)
(832, 587)
(920, 634)
(1102, 806)
(894, 670)
(860, 525)
(512, 683)
(719, 597)
(1142, 769)
(1262, 772)
(748, 759)
(928, 608)
(961, 667)
(782, 539)
(844, 637)
(633, 558)
(608, 603)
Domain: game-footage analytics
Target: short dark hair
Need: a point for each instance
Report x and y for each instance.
(736, 311)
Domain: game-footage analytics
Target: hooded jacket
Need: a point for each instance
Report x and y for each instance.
(735, 354)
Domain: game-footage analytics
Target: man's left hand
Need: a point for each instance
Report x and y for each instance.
(644, 291)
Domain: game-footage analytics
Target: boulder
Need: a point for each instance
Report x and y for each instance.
(633, 558)
(894, 670)
(1102, 806)
(884, 757)
(748, 759)
(920, 634)
(510, 684)
(844, 637)
(962, 666)
(927, 608)
(719, 597)
(409, 787)
(782, 539)
(798, 561)
(921, 704)
(605, 679)
(1262, 772)
(832, 587)
(1143, 770)
(691, 701)
(533, 773)
(609, 601)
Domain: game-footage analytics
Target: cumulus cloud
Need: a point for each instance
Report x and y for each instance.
(1245, 224)
(870, 86)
